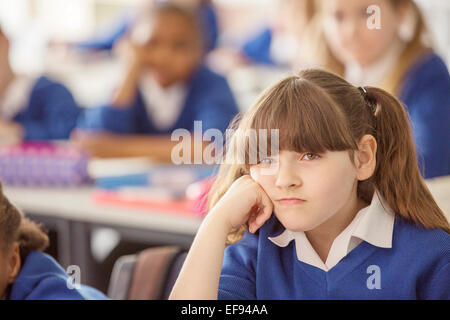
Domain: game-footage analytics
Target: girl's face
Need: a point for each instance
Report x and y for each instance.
(347, 32)
(307, 189)
(173, 50)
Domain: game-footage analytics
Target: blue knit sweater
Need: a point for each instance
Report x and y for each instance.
(416, 267)
(42, 278)
(209, 99)
(426, 93)
(51, 112)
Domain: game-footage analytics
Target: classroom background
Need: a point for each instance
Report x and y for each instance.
(102, 213)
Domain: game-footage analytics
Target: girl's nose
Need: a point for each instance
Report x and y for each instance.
(287, 176)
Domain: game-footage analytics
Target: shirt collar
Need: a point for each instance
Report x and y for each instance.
(373, 224)
(163, 105)
(374, 74)
(377, 224)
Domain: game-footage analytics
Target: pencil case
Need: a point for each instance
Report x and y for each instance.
(43, 164)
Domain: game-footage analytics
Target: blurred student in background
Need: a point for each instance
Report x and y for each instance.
(32, 108)
(280, 43)
(26, 273)
(395, 57)
(166, 87)
(205, 10)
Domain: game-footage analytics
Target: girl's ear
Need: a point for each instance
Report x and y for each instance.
(365, 157)
(14, 263)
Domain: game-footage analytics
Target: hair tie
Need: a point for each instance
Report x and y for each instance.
(370, 103)
(363, 91)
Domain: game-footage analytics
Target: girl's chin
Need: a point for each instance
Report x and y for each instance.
(295, 222)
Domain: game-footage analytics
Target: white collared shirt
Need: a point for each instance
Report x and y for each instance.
(373, 224)
(163, 105)
(374, 74)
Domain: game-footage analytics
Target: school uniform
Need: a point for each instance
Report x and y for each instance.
(425, 91)
(205, 97)
(42, 278)
(378, 256)
(44, 108)
(426, 94)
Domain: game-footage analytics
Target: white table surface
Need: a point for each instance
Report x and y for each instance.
(76, 204)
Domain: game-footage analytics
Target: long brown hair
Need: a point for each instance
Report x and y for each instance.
(15, 228)
(415, 47)
(316, 111)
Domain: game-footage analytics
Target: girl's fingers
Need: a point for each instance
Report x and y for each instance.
(252, 219)
(252, 225)
(264, 213)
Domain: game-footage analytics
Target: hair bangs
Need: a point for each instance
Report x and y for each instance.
(304, 118)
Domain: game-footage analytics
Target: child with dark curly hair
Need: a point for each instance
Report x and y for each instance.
(26, 272)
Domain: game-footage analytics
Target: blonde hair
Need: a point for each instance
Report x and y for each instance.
(414, 49)
(333, 115)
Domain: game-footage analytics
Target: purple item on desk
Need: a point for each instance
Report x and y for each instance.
(42, 164)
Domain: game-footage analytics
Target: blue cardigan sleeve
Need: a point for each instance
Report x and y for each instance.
(257, 49)
(427, 97)
(107, 118)
(107, 40)
(51, 113)
(238, 275)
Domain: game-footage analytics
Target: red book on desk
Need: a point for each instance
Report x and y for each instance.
(123, 199)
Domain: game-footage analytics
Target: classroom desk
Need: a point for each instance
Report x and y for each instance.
(73, 214)
(76, 204)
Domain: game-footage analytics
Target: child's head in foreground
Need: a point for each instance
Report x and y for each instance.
(18, 237)
(337, 145)
(171, 42)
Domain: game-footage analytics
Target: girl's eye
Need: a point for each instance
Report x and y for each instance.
(266, 161)
(310, 156)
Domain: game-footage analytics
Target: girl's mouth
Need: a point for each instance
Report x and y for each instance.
(290, 201)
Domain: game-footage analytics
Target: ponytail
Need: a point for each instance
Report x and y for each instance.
(397, 176)
(31, 237)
